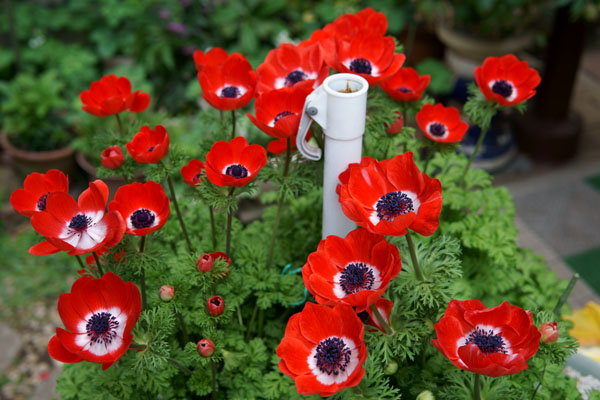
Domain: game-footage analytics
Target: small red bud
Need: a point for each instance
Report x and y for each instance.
(112, 157)
(205, 263)
(397, 126)
(205, 347)
(215, 305)
(549, 332)
(166, 292)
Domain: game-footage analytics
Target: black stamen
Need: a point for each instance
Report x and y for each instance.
(437, 129)
(150, 149)
(405, 89)
(356, 277)
(142, 218)
(41, 203)
(502, 88)
(79, 222)
(196, 177)
(236, 171)
(101, 328)
(282, 115)
(230, 92)
(392, 205)
(216, 301)
(332, 356)
(363, 315)
(486, 341)
(294, 77)
(361, 66)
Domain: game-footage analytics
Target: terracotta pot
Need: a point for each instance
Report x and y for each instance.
(25, 162)
(113, 182)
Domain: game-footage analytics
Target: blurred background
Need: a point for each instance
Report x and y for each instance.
(51, 50)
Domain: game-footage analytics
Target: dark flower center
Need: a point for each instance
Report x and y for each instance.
(405, 89)
(294, 77)
(197, 176)
(216, 301)
(41, 203)
(101, 327)
(237, 171)
(230, 92)
(393, 204)
(486, 341)
(437, 129)
(151, 148)
(361, 66)
(363, 315)
(333, 355)
(142, 218)
(79, 222)
(502, 88)
(356, 277)
(282, 115)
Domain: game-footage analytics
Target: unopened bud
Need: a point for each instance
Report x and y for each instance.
(549, 332)
(205, 347)
(205, 263)
(215, 305)
(391, 368)
(166, 292)
(425, 395)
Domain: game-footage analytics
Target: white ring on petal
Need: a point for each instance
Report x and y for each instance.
(100, 349)
(280, 81)
(337, 287)
(224, 171)
(374, 68)
(486, 328)
(342, 376)
(514, 93)
(241, 89)
(416, 204)
(446, 130)
(133, 228)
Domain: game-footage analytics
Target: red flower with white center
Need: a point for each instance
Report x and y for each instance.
(228, 86)
(149, 146)
(389, 196)
(112, 157)
(441, 124)
(506, 80)
(493, 341)
(355, 271)
(234, 163)
(291, 66)
(214, 56)
(384, 306)
(323, 349)
(144, 207)
(193, 172)
(36, 188)
(406, 85)
(278, 112)
(111, 95)
(99, 315)
(369, 55)
(77, 227)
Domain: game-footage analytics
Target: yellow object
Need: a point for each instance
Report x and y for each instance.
(587, 326)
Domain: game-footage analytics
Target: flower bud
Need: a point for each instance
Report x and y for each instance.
(205, 263)
(396, 126)
(205, 347)
(215, 305)
(166, 292)
(549, 331)
(391, 368)
(425, 395)
(112, 157)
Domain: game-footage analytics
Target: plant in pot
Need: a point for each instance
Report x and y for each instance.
(35, 132)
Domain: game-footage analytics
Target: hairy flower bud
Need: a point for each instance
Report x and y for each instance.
(166, 292)
(549, 332)
(215, 305)
(205, 263)
(112, 157)
(205, 347)
(391, 368)
(425, 395)
(397, 125)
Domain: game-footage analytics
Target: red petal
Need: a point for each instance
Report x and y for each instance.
(295, 353)
(57, 351)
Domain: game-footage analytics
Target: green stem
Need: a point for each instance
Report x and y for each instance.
(143, 275)
(212, 227)
(477, 387)
(239, 314)
(413, 257)
(81, 264)
(138, 346)
(120, 124)
(280, 202)
(229, 221)
(385, 325)
(540, 382)
(179, 217)
(221, 116)
(183, 368)
(186, 338)
(254, 312)
(431, 152)
(565, 295)
(100, 270)
(484, 130)
(232, 124)
(213, 374)
(261, 322)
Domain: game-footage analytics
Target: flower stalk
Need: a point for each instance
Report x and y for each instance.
(100, 270)
(484, 130)
(385, 325)
(179, 217)
(143, 275)
(229, 221)
(232, 124)
(186, 338)
(120, 124)
(413, 257)
(212, 227)
(477, 387)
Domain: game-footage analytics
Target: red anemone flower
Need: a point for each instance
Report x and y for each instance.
(389, 196)
(234, 163)
(36, 188)
(149, 146)
(214, 56)
(396, 126)
(77, 227)
(193, 172)
(441, 124)
(111, 95)
(290, 65)
(112, 157)
(323, 349)
(278, 112)
(506, 80)
(369, 55)
(99, 315)
(144, 207)
(228, 86)
(384, 306)
(406, 85)
(354, 271)
(493, 341)
(219, 255)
